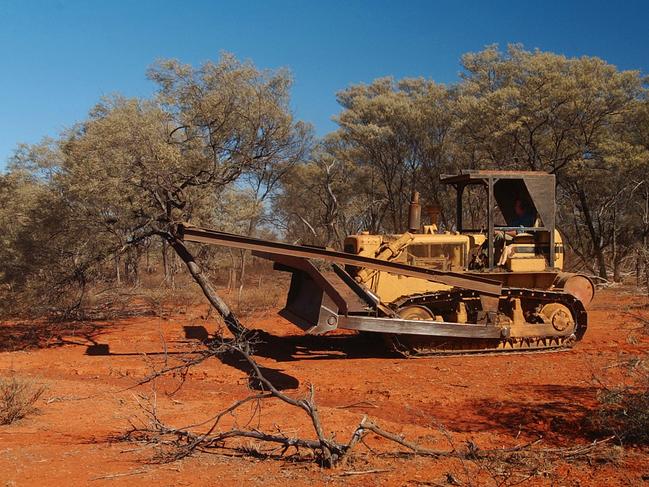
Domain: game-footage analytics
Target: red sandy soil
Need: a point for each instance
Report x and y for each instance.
(493, 401)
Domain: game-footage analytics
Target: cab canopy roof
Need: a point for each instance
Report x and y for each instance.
(535, 190)
(481, 176)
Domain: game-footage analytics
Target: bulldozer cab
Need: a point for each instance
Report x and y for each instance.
(520, 201)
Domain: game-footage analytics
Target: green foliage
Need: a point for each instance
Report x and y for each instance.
(579, 118)
(400, 131)
(109, 187)
(217, 145)
(325, 199)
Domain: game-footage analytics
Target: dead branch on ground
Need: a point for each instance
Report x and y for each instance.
(175, 443)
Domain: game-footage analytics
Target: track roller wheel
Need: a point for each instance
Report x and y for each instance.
(416, 313)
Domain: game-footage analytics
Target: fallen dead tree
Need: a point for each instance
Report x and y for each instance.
(175, 443)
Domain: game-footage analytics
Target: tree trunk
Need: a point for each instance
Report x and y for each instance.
(118, 274)
(136, 268)
(165, 262)
(617, 271)
(242, 276)
(172, 271)
(601, 263)
(148, 259)
(231, 321)
(596, 240)
(232, 281)
(242, 268)
(230, 278)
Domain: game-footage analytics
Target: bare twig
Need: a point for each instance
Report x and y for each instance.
(351, 473)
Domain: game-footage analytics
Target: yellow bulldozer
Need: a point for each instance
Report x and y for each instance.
(493, 284)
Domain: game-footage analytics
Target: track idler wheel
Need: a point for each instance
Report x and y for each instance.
(577, 285)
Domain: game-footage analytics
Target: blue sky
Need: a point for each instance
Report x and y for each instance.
(58, 56)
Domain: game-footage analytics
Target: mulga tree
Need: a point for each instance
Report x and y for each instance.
(399, 131)
(136, 168)
(327, 197)
(542, 111)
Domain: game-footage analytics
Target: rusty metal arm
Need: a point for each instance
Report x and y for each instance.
(416, 327)
(481, 285)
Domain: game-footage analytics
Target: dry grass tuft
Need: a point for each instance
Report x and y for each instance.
(269, 294)
(18, 398)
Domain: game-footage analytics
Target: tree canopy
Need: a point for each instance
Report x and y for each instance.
(219, 136)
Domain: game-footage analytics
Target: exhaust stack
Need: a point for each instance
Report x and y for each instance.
(414, 213)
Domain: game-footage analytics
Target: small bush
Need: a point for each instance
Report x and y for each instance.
(17, 398)
(269, 294)
(624, 411)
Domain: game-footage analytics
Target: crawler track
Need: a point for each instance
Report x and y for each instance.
(441, 302)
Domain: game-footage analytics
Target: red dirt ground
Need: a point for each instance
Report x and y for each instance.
(491, 400)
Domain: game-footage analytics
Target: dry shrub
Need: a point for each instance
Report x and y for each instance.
(110, 302)
(18, 398)
(267, 295)
(157, 300)
(36, 300)
(624, 410)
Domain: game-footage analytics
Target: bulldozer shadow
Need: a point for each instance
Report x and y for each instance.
(308, 347)
(323, 347)
(294, 348)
